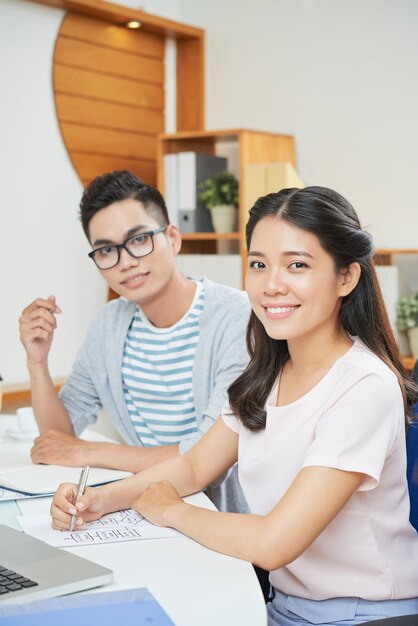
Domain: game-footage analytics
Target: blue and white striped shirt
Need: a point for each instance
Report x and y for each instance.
(157, 370)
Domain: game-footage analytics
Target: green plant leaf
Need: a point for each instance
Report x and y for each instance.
(407, 312)
(220, 188)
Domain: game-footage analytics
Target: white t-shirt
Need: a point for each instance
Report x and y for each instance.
(352, 420)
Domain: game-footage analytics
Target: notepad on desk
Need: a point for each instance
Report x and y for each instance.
(44, 479)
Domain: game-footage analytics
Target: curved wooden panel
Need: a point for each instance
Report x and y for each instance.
(105, 114)
(112, 36)
(107, 88)
(82, 55)
(109, 142)
(109, 96)
(87, 165)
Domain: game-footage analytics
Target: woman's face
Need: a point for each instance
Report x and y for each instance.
(292, 282)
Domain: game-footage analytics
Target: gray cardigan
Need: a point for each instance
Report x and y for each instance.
(96, 379)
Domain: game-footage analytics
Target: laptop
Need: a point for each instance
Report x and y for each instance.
(31, 569)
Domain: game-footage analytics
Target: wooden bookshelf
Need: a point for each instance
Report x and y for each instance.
(249, 147)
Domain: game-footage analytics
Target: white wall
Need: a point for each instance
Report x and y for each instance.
(42, 248)
(340, 75)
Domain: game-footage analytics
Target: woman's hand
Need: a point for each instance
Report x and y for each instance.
(90, 506)
(157, 502)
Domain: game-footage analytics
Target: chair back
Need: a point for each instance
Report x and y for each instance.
(412, 471)
(412, 460)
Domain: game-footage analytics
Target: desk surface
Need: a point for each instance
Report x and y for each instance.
(194, 585)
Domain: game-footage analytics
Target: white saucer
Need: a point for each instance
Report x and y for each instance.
(17, 434)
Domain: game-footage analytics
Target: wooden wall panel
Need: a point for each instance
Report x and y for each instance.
(107, 88)
(82, 55)
(112, 36)
(87, 165)
(109, 96)
(109, 142)
(190, 84)
(105, 114)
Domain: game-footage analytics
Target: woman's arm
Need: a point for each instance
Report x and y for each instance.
(215, 453)
(313, 500)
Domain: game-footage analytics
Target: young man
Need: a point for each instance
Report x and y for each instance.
(158, 360)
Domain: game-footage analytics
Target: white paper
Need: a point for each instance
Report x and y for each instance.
(127, 525)
(34, 505)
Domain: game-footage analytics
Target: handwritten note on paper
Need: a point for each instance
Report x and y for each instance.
(127, 525)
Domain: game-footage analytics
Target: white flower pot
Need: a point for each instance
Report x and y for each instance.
(413, 341)
(224, 218)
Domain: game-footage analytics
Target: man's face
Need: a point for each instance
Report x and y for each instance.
(138, 279)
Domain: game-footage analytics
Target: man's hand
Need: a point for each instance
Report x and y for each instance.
(57, 448)
(156, 501)
(37, 324)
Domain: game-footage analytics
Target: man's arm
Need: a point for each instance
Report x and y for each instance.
(57, 443)
(37, 324)
(62, 449)
(231, 356)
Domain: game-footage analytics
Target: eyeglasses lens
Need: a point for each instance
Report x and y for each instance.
(137, 246)
(140, 245)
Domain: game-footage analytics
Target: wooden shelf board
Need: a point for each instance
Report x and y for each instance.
(208, 236)
(120, 14)
(408, 362)
(387, 251)
(225, 134)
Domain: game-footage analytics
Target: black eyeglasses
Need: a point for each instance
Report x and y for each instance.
(137, 246)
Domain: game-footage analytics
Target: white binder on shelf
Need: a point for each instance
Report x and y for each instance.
(171, 186)
(193, 168)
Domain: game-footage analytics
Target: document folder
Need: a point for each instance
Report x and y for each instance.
(132, 606)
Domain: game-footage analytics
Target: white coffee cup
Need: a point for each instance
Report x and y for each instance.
(26, 421)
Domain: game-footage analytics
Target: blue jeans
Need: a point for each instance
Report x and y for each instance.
(284, 610)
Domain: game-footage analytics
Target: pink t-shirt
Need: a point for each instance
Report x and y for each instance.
(353, 420)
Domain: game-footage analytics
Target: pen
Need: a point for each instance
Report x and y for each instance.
(80, 490)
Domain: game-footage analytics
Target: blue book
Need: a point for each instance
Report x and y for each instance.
(109, 608)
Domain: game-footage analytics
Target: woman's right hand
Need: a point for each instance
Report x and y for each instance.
(90, 506)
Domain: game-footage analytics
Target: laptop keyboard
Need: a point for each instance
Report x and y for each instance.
(12, 581)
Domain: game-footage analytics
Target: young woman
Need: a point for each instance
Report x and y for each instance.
(316, 422)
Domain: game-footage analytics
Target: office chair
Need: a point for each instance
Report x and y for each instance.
(415, 372)
(412, 460)
(412, 472)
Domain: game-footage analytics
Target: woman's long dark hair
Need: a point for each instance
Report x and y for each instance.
(333, 220)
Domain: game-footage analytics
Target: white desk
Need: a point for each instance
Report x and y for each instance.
(195, 586)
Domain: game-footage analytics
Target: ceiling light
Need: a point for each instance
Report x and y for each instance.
(133, 24)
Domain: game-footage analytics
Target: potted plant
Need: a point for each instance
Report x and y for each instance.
(407, 320)
(219, 193)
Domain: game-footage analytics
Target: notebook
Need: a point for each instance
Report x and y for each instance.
(42, 571)
(44, 479)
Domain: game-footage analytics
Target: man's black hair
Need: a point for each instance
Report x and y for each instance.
(116, 186)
